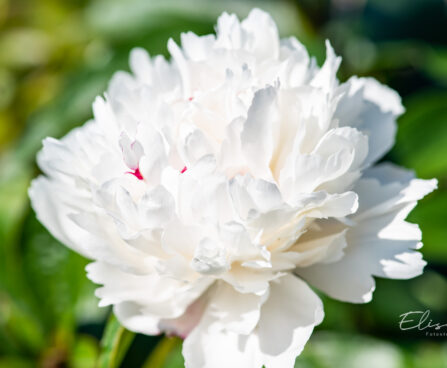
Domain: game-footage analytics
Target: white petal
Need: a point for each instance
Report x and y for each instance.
(372, 108)
(228, 31)
(261, 34)
(206, 349)
(339, 153)
(194, 146)
(381, 242)
(52, 211)
(140, 64)
(233, 311)
(249, 193)
(256, 136)
(156, 207)
(131, 317)
(105, 118)
(154, 159)
(287, 320)
(149, 298)
(183, 325)
(179, 238)
(298, 62)
(210, 257)
(312, 248)
(326, 77)
(250, 280)
(257, 34)
(323, 205)
(346, 280)
(132, 151)
(204, 198)
(182, 65)
(333, 205)
(197, 47)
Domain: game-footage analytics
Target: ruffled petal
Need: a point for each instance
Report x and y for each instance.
(373, 109)
(143, 301)
(380, 242)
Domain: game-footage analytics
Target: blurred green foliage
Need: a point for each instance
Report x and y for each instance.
(56, 56)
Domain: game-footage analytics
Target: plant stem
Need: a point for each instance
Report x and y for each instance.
(114, 344)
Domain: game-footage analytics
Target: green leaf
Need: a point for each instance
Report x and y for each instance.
(326, 349)
(15, 362)
(20, 330)
(422, 135)
(85, 353)
(430, 216)
(430, 355)
(114, 344)
(436, 66)
(127, 21)
(167, 354)
(421, 145)
(54, 275)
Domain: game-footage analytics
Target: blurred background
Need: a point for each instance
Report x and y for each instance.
(56, 56)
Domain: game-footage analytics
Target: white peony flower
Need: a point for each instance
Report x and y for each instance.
(213, 189)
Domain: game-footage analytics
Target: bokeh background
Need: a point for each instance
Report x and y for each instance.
(56, 56)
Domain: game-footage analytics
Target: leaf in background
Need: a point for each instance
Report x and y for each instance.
(423, 289)
(421, 141)
(421, 144)
(167, 354)
(330, 349)
(430, 214)
(118, 20)
(436, 66)
(18, 323)
(327, 350)
(14, 182)
(15, 362)
(85, 353)
(20, 331)
(114, 344)
(54, 273)
(430, 355)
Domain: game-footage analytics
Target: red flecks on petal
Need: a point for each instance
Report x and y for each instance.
(136, 173)
(191, 98)
(183, 170)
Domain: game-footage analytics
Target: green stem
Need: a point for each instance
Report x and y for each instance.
(114, 344)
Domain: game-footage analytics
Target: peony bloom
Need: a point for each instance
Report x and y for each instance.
(214, 189)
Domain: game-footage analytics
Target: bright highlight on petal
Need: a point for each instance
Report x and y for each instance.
(213, 190)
